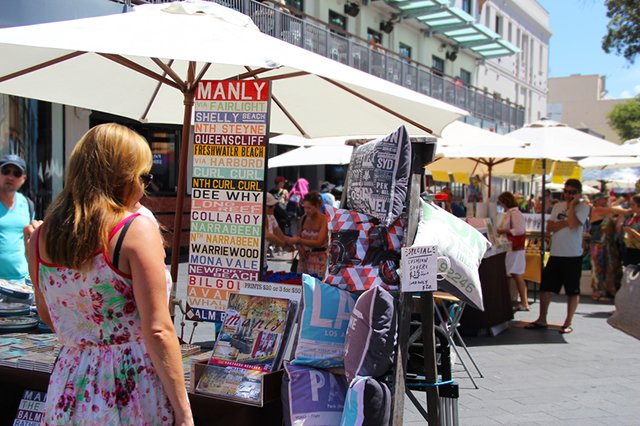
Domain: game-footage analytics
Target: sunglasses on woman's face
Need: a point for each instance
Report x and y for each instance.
(146, 179)
(570, 191)
(6, 170)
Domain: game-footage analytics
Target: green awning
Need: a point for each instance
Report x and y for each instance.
(455, 24)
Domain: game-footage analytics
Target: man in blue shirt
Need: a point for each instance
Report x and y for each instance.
(15, 218)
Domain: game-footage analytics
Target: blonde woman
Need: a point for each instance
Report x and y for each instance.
(101, 284)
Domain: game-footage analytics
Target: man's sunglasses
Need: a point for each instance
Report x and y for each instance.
(146, 179)
(6, 170)
(570, 191)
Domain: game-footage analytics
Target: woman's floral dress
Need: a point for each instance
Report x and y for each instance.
(104, 374)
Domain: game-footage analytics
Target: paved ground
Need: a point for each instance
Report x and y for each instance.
(540, 377)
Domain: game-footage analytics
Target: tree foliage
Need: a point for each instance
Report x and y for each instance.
(625, 119)
(623, 31)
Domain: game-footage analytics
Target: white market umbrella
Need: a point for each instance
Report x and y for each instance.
(484, 153)
(292, 140)
(313, 155)
(466, 135)
(605, 163)
(313, 96)
(586, 188)
(146, 65)
(614, 183)
(552, 139)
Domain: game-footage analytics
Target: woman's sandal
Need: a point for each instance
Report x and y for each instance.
(566, 329)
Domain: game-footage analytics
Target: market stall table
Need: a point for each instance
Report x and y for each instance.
(17, 376)
(495, 294)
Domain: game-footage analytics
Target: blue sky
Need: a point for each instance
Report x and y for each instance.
(578, 27)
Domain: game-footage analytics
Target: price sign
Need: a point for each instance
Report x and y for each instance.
(419, 267)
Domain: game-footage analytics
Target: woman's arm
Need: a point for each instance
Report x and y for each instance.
(633, 233)
(143, 256)
(41, 305)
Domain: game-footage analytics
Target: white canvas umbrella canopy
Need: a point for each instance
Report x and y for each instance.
(472, 150)
(614, 183)
(554, 140)
(316, 151)
(146, 64)
(605, 163)
(313, 155)
(586, 188)
(322, 97)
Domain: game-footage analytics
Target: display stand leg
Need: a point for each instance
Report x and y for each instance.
(404, 319)
(428, 350)
(416, 403)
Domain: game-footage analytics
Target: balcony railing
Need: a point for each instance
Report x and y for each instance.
(307, 32)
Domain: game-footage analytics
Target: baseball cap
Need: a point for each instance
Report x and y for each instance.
(271, 200)
(15, 160)
(281, 179)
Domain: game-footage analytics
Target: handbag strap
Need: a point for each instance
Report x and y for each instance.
(116, 250)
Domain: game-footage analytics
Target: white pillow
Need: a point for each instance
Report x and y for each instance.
(461, 243)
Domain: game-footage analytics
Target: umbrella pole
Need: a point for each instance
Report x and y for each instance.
(489, 167)
(542, 236)
(189, 96)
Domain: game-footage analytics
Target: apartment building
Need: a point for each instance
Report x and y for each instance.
(580, 102)
(520, 78)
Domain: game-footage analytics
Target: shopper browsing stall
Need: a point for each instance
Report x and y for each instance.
(312, 237)
(100, 282)
(513, 226)
(16, 218)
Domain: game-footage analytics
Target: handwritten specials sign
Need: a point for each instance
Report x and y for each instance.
(419, 266)
(231, 121)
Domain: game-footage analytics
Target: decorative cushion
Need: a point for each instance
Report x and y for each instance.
(312, 397)
(378, 176)
(461, 243)
(363, 253)
(325, 314)
(626, 317)
(368, 403)
(371, 336)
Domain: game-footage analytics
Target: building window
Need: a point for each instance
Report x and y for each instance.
(487, 16)
(374, 36)
(465, 77)
(466, 6)
(337, 19)
(405, 50)
(297, 4)
(437, 65)
(498, 28)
